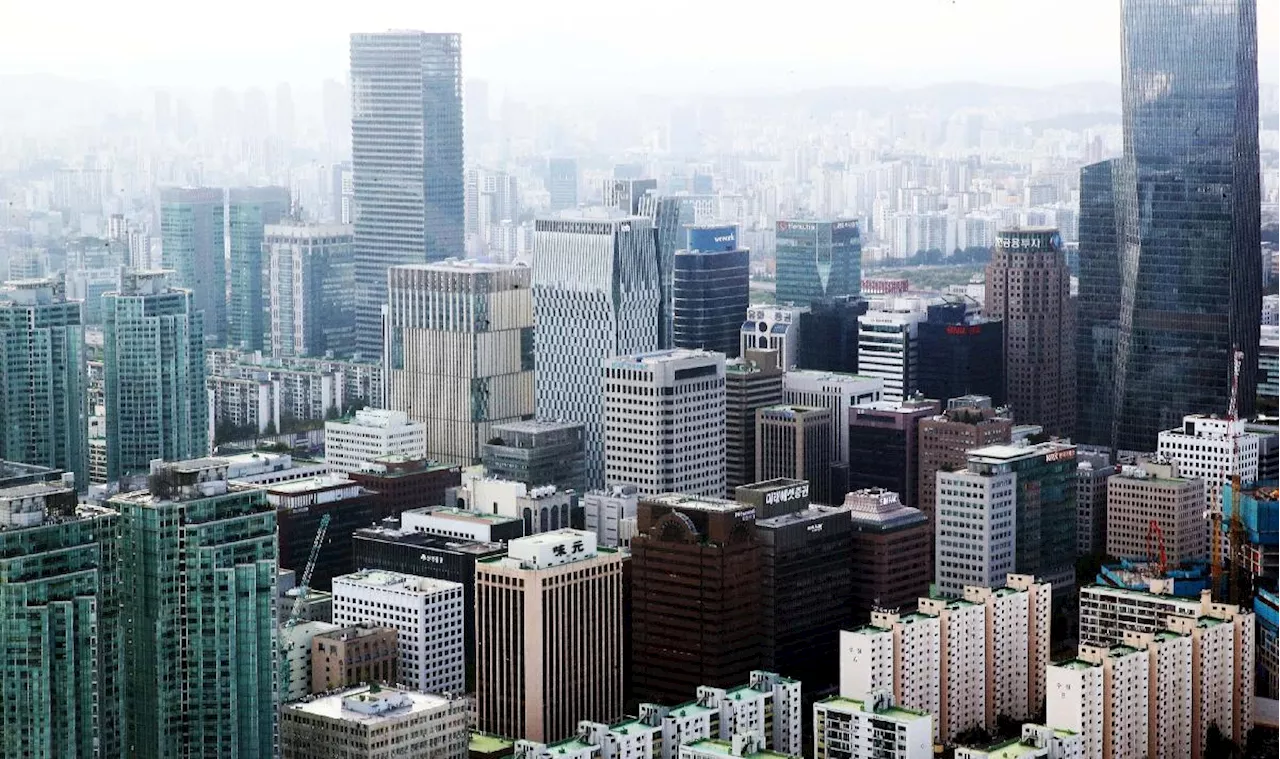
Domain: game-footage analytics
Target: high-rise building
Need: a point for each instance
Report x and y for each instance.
(945, 441)
(537, 452)
(372, 434)
(1098, 302)
(596, 294)
(1212, 450)
(750, 383)
(309, 277)
(198, 590)
(61, 675)
(1092, 470)
(795, 442)
(976, 533)
(837, 392)
(774, 328)
(806, 576)
(695, 578)
(427, 615)
(892, 545)
(1104, 695)
(1154, 495)
(1029, 288)
(710, 290)
(848, 727)
(960, 353)
(1186, 259)
(562, 183)
(249, 210)
(300, 505)
(549, 636)
(818, 259)
(459, 351)
(889, 347)
(370, 721)
(626, 194)
(192, 233)
(153, 357)
(43, 413)
(406, 155)
(883, 451)
(828, 334)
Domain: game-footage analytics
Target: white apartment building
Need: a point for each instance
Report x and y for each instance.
(1103, 694)
(372, 434)
(962, 635)
(368, 723)
(976, 535)
(835, 391)
(1169, 681)
(1017, 643)
(1212, 450)
(664, 422)
(427, 615)
(773, 328)
(1073, 701)
(611, 515)
(1222, 673)
(847, 727)
(1037, 742)
(888, 346)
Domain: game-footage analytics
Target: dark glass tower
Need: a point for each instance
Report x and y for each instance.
(249, 210)
(1098, 302)
(710, 290)
(829, 334)
(818, 259)
(1187, 211)
(406, 156)
(961, 353)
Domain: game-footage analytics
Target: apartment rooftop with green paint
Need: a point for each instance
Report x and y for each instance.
(845, 704)
(711, 747)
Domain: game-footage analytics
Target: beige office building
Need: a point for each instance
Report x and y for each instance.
(372, 722)
(549, 636)
(1155, 492)
(795, 442)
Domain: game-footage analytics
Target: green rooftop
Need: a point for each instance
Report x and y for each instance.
(725, 748)
(1121, 649)
(1076, 664)
(854, 705)
(1208, 622)
(1012, 749)
(489, 744)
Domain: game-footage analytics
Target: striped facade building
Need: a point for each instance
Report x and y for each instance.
(596, 293)
(458, 351)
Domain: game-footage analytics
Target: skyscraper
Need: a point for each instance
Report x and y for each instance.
(198, 585)
(459, 351)
(406, 154)
(1187, 211)
(818, 259)
(562, 183)
(310, 275)
(750, 383)
(192, 246)
(42, 378)
(249, 210)
(795, 441)
(1029, 288)
(960, 354)
(596, 294)
(1098, 303)
(153, 358)
(710, 290)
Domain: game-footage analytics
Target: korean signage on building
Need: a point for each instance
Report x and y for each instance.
(782, 495)
(1031, 240)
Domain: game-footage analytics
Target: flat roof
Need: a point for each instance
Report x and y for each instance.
(332, 706)
(35, 488)
(853, 704)
(1006, 452)
(487, 744)
(453, 512)
(1012, 749)
(725, 748)
(430, 540)
(702, 503)
(382, 578)
(1075, 664)
(812, 514)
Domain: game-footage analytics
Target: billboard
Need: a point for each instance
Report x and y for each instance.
(1030, 240)
(717, 238)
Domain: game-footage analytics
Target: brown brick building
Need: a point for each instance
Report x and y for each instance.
(403, 484)
(892, 545)
(696, 596)
(946, 439)
(362, 653)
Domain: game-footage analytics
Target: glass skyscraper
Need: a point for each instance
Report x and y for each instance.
(43, 378)
(406, 154)
(1187, 214)
(249, 209)
(710, 290)
(818, 259)
(192, 245)
(153, 360)
(310, 276)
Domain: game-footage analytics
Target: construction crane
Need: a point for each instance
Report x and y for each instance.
(295, 613)
(1230, 474)
(1155, 548)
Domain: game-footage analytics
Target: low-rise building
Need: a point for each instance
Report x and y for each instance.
(371, 434)
(348, 656)
(375, 721)
(1037, 742)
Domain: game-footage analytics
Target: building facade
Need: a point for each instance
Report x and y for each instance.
(1151, 496)
(249, 210)
(192, 234)
(372, 721)
(960, 354)
(829, 334)
(751, 382)
(889, 348)
(372, 434)
(795, 442)
(537, 452)
(818, 259)
(892, 545)
(309, 277)
(710, 290)
(883, 448)
(775, 328)
(348, 656)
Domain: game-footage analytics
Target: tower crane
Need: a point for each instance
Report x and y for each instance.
(1231, 474)
(304, 584)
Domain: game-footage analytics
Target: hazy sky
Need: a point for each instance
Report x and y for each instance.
(539, 45)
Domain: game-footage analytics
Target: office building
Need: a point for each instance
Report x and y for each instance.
(1152, 509)
(513, 506)
(459, 351)
(837, 392)
(61, 674)
(401, 483)
(892, 546)
(549, 636)
(664, 419)
(710, 292)
(347, 656)
(537, 452)
(1098, 302)
(625, 193)
(818, 259)
(1093, 469)
(1212, 450)
(945, 440)
(301, 504)
(795, 442)
(695, 579)
(960, 353)
(562, 183)
(806, 578)
(1029, 289)
(153, 356)
(828, 332)
(883, 446)
(751, 382)
(198, 585)
(889, 347)
(309, 278)
(371, 721)
(775, 328)
(43, 413)
(249, 210)
(371, 434)
(427, 615)
(596, 294)
(849, 727)
(611, 515)
(406, 151)
(295, 648)
(775, 497)
(192, 234)
(976, 529)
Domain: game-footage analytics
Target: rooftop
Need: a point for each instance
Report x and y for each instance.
(1012, 749)
(483, 743)
(701, 503)
(1075, 664)
(34, 489)
(854, 705)
(368, 707)
(378, 578)
(452, 512)
(430, 540)
(812, 514)
(725, 748)
(1010, 452)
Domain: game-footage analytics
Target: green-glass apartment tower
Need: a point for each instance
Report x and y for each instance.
(42, 378)
(191, 233)
(153, 359)
(198, 582)
(249, 210)
(61, 671)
